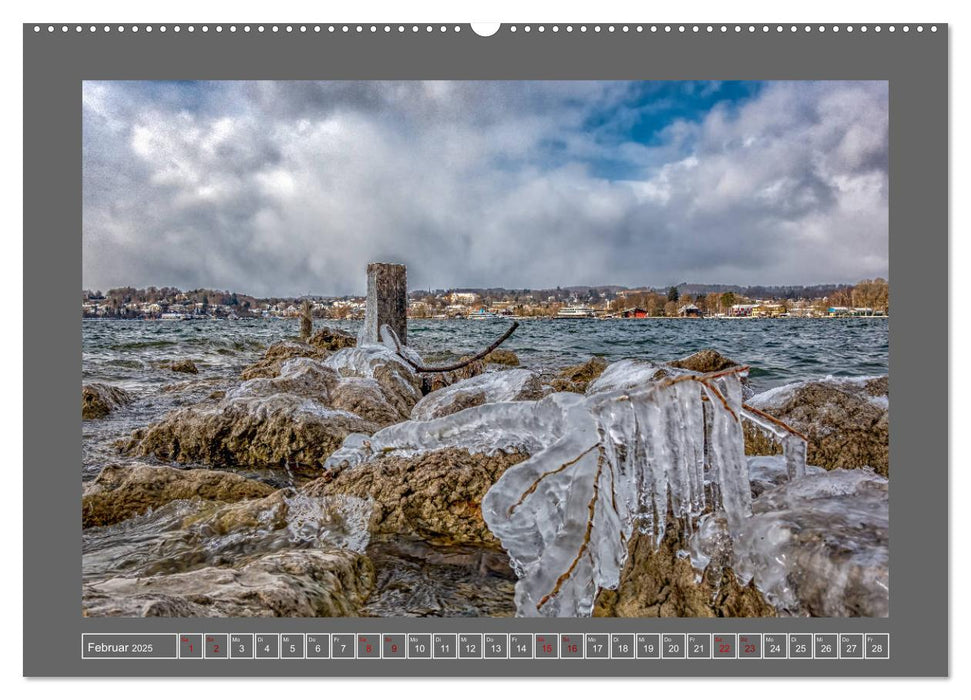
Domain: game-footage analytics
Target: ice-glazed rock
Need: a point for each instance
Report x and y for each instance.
(122, 491)
(433, 496)
(367, 399)
(299, 376)
(767, 472)
(522, 427)
(299, 583)
(819, 545)
(399, 382)
(629, 374)
(276, 431)
(578, 377)
(98, 400)
(491, 387)
(846, 421)
(278, 353)
(184, 535)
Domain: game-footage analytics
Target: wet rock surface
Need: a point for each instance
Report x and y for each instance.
(123, 491)
(432, 496)
(578, 377)
(847, 422)
(98, 400)
(300, 583)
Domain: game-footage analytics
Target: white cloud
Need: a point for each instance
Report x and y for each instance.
(285, 188)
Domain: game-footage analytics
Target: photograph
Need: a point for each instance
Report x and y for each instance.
(480, 349)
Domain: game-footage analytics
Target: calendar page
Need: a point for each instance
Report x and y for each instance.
(427, 349)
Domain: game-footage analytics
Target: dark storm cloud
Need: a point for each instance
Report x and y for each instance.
(288, 188)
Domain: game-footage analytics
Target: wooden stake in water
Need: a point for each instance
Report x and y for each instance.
(387, 301)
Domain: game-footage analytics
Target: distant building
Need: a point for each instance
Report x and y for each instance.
(689, 311)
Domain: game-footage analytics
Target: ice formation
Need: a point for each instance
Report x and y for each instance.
(566, 514)
(819, 545)
(491, 387)
(643, 444)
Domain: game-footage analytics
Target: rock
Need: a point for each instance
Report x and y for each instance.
(332, 339)
(577, 377)
(298, 376)
(439, 380)
(400, 383)
(366, 398)
(434, 496)
(845, 420)
(122, 491)
(820, 545)
(297, 583)
(661, 582)
(767, 472)
(185, 366)
(704, 361)
(500, 356)
(98, 400)
(278, 353)
(277, 431)
(492, 387)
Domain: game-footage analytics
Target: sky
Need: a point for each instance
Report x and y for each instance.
(288, 188)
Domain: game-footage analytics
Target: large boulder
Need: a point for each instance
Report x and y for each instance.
(276, 431)
(332, 339)
(297, 583)
(704, 361)
(122, 491)
(846, 421)
(98, 400)
(492, 387)
(270, 364)
(433, 496)
(578, 377)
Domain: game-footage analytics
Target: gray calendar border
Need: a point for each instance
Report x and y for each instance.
(916, 66)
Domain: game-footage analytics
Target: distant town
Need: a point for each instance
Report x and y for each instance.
(866, 298)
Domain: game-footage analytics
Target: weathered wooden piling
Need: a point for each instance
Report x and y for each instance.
(387, 301)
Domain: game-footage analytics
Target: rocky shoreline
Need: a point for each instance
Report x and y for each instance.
(360, 531)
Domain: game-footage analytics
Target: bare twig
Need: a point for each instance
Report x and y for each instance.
(464, 363)
(773, 420)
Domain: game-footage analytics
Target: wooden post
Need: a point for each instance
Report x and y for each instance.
(387, 301)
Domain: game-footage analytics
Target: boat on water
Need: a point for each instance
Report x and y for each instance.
(483, 315)
(576, 312)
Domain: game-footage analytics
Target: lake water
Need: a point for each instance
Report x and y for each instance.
(779, 351)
